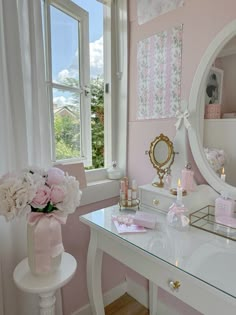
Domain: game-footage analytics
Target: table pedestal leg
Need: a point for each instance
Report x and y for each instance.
(47, 303)
(152, 298)
(94, 271)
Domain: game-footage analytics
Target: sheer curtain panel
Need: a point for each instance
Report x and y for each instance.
(24, 129)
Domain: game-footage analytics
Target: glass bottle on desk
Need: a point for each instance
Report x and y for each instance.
(224, 206)
(187, 178)
(168, 179)
(177, 214)
(114, 172)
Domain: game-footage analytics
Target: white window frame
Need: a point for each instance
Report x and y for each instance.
(68, 7)
(116, 76)
(115, 101)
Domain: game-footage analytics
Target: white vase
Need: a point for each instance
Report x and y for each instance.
(32, 258)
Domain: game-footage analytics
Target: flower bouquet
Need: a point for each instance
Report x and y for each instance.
(46, 198)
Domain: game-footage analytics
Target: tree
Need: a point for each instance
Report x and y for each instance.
(67, 136)
(97, 122)
(67, 127)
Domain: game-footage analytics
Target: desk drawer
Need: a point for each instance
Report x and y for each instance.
(175, 282)
(155, 201)
(199, 295)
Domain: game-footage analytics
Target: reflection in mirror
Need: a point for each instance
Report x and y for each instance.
(162, 156)
(220, 113)
(161, 151)
(224, 127)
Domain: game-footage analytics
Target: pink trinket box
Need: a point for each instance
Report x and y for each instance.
(212, 111)
(144, 219)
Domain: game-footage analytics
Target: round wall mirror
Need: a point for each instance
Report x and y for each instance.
(162, 156)
(211, 136)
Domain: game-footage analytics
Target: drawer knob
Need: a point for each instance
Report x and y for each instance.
(174, 285)
(155, 202)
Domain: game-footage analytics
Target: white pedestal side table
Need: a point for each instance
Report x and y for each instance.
(45, 286)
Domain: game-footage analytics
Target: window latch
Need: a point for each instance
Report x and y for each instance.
(107, 88)
(86, 90)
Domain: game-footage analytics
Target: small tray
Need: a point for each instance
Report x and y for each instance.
(124, 204)
(204, 219)
(173, 191)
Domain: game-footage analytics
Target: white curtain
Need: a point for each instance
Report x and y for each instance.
(24, 130)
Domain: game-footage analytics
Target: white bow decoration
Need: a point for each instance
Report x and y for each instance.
(182, 116)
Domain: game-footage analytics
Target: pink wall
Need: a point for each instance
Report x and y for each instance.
(202, 20)
(228, 65)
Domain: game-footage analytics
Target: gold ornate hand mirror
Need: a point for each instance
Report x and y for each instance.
(162, 156)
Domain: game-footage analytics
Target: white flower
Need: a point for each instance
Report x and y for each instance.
(15, 195)
(35, 180)
(72, 195)
(8, 204)
(24, 195)
(18, 193)
(35, 170)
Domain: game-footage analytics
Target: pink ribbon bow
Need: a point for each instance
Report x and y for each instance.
(177, 209)
(47, 238)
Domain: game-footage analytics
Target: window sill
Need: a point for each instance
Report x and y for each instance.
(100, 190)
(99, 187)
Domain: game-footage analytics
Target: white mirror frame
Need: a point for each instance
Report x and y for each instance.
(196, 109)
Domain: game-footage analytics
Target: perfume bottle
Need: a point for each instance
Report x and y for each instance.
(177, 214)
(134, 191)
(114, 172)
(224, 206)
(177, 217)
(122, 192)
(168, 179)
(187, 178)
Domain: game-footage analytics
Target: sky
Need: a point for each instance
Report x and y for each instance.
(65, 44)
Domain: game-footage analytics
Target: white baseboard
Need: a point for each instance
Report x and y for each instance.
(115, 293)
(108, 298)
(137, 291)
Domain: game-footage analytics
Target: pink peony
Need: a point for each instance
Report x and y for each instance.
(57, 194)
(42, 197)
(55, 176)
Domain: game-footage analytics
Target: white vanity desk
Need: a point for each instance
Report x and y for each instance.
(203, 263)
(160, 199)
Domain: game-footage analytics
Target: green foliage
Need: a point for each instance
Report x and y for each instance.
(63, 151)
(97, 122)
(67, 127)
(67, 136)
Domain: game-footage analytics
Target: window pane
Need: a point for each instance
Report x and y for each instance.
(64, 45)
(95, 10)
(96, 21)
(66, 108)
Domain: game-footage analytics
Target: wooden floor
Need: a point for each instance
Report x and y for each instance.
(126, 305)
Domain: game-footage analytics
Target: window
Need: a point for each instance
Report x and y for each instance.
(68, 80)
(86, 122)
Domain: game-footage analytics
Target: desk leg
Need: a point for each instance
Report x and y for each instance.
(94, 272)
(47, 303)
(152, 298)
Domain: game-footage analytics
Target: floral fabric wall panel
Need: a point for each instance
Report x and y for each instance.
(159, 74)
(149, 9)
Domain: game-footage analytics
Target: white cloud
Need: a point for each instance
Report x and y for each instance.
(96, 62)
(96, 57)
(60, 101)
(62, 75)
(72, 72)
